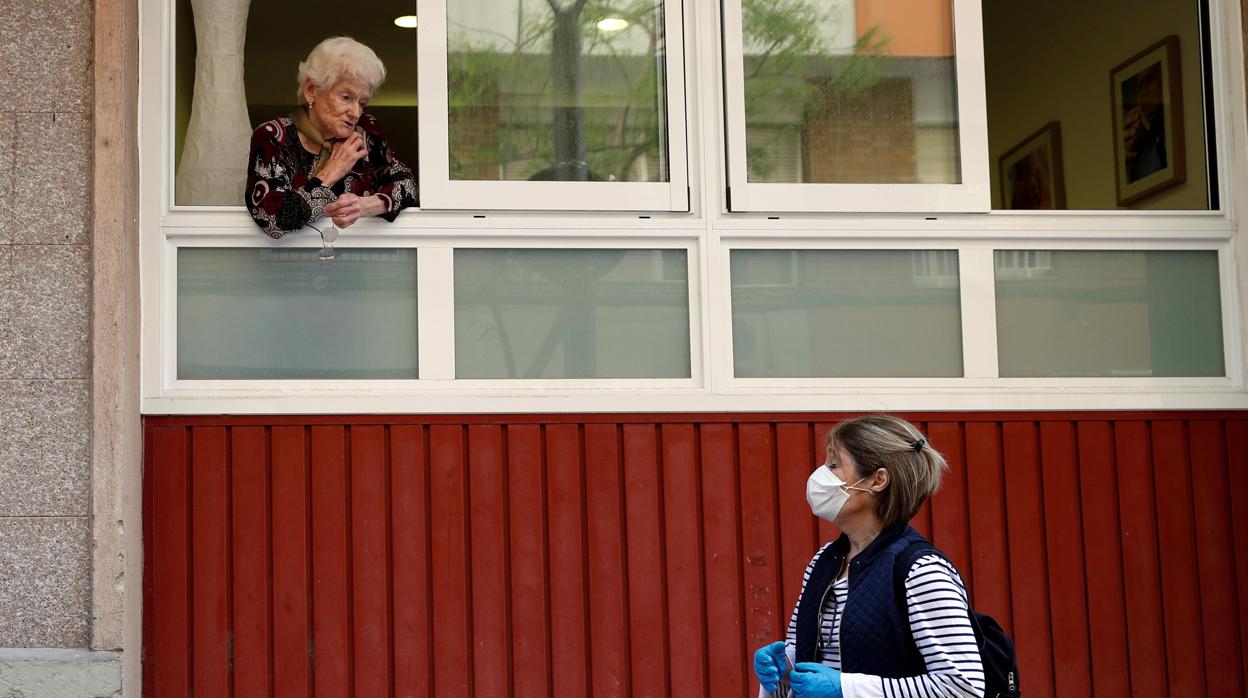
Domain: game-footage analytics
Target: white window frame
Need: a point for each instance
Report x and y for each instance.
(439, 192)
(971, 195)
(708, 232)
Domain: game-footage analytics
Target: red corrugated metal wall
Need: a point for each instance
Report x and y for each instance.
(647, 555)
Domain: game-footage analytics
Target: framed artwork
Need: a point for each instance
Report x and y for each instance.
(1031, 172)
(1147, 103)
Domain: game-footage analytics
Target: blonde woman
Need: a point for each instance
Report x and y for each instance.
(850, 635)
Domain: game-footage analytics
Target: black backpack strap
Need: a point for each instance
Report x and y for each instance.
(996, 649)
(901, 569)
(902, 564)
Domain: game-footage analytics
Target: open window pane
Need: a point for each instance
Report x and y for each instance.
(862, 94)
(571, 314)
(1092, 108)
(1066, 313)
(259, 313)
(845, 313)
(559, 104)
(235, 68)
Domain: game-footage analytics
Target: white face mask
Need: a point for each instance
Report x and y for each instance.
(826, 493)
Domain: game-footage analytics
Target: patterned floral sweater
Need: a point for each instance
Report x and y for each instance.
(283, 195)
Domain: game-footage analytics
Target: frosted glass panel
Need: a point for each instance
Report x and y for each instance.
(571, 314)
(838, 313)
(1108, 313)
(841, 91)
(282, 313)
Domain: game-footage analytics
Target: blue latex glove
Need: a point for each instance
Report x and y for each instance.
(814, 680)
(769, 664)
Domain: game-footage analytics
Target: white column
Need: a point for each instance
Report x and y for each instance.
(213, 169)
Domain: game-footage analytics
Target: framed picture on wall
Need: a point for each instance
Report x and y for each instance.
(1031, 172)
(1147, 101)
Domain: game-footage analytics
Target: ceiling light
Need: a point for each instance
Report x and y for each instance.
(612, 24)
(406, 21)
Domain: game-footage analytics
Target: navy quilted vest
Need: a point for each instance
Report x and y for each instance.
(875, 634)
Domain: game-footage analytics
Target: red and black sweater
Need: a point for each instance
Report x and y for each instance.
(283, 195)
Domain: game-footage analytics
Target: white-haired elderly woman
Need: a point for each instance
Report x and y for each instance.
(328, 158)
(881, 611)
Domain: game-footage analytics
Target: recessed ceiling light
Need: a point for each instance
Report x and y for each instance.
(406, 21)
(612, 24)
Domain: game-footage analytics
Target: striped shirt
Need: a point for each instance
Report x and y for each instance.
(936, 599)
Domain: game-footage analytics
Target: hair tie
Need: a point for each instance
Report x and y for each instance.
(918, 444)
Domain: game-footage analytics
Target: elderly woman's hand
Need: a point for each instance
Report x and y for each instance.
(349, 208)
(342, 158)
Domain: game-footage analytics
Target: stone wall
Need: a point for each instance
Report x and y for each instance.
(58, 674)
(45, 302)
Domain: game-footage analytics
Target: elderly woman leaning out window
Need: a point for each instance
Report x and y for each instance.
(328, 158)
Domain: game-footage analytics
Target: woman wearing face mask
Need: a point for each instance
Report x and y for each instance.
(850, 634)
(328, 158)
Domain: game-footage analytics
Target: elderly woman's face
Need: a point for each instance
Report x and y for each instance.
(335, 110)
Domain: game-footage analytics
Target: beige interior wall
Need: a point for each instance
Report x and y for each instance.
(1049, 60)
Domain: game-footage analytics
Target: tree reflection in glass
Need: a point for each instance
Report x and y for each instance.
(559, 90)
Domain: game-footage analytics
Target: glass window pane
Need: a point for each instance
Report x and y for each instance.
(283, 313)
(1064, 313)
(850, 91)
(241, 73)
(1088, 111)
(557, 90)
(840, 313)
(571, 314)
